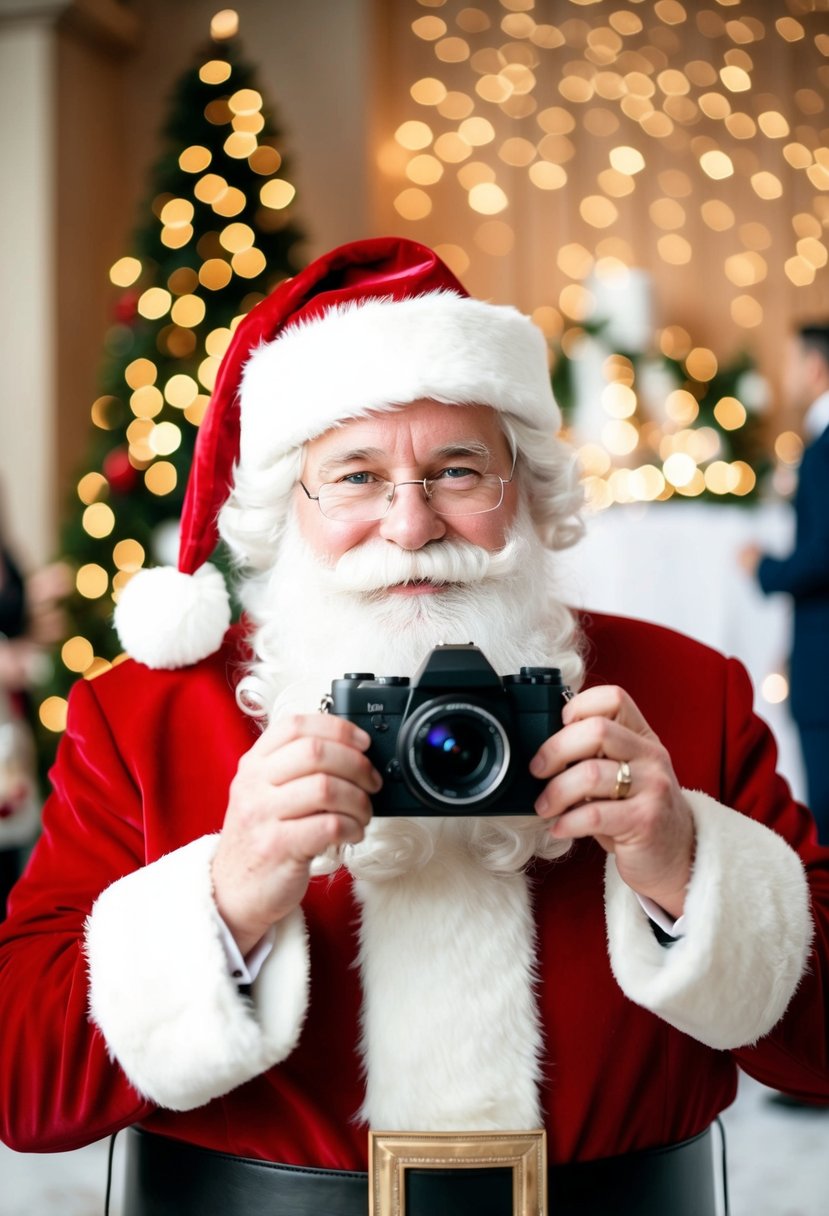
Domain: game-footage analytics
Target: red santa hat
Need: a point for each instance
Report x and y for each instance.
(371, 326)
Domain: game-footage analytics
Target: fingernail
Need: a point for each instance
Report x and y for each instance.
(377, 782)
(361, 737)
(537, 766)
(541, 805)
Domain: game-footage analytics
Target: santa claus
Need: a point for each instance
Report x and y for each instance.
(308, 1008)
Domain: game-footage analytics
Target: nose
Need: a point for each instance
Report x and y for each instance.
(410, 522)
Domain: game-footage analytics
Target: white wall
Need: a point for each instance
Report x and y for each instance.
(26, 297)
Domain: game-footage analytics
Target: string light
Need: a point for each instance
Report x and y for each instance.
(538, 88)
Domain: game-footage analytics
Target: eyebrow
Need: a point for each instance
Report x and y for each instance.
(448, 451)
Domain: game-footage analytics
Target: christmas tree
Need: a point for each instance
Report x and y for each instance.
(217, 236)
(669, 421)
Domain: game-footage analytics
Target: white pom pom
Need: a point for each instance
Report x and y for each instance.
(168, 619)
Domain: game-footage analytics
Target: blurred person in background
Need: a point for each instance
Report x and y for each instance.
(30, 621)
(804, 573)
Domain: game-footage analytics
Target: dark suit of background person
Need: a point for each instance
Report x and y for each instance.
(804, 574)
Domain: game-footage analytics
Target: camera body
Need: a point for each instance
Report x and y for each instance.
(458, 739)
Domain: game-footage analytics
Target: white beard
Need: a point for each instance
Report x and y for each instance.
(314, 622)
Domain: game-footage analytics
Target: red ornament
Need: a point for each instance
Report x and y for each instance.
(120, 474)
(126, 308)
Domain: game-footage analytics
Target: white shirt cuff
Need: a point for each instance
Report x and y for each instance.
(674, 928)
(244, 970)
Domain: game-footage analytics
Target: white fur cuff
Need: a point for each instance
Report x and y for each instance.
(161, 994)
(747, 927)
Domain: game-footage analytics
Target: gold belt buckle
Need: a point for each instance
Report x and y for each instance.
(390, 1154)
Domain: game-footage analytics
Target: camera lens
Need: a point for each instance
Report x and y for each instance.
(454, 753)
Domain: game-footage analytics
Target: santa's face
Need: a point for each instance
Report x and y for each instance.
(423, 440)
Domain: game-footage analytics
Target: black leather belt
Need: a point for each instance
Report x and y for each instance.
(166, 1177)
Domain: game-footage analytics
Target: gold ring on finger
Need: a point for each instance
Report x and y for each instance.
(623, 780)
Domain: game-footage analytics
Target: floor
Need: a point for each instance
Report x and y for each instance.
(778, 1166)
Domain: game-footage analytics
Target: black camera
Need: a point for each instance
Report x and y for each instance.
(458, 739)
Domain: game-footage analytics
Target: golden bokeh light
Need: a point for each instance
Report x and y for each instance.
(735, 79)
(451, 148)
(91, 486)
(774, 688)
(619, 400)
(125, 272)
(428, 91)
(98, 520)
(413, 204)
(154, 303)
(681, 407)
(575, 261)
(429, 28)
(746, 312)
(717, 215)
(264, 160)
(92, 581)
(245, 101)
(249, 263)
(240, 144)
(627, 160)
(701, 364)
(452, 50)
(215, 71)
(788, 447)
(146, 401)
(180, 391)
(215, 273)
(674, 342)
(456, 105)
(102, 412)
(473, 173)
(140, 373)
(52, 714)
(161, 478)
(232, 201)
(77, 653)
(620, 437)
(716, 164)
(208, 370)
(414, 135)
(188, 311)
(476, 131)
(224, 24)
(730, 413)
(276, 194)
(128, 555)
(177, 213)
(675, 250)
(455, 257)
(487, 198)
(679, 469)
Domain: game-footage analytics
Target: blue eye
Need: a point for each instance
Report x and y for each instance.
(357, 479)
(456, 473)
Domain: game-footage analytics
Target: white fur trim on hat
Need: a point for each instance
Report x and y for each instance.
(747, 931)
(367, 356)
(165, 618)
(161, 992)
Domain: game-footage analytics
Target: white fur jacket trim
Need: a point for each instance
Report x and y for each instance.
(162, 996)
(451, 1036)
(747, 927)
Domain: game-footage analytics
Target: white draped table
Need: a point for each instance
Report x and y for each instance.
(675, 563)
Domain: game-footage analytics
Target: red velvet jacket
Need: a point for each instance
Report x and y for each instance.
(145, 767)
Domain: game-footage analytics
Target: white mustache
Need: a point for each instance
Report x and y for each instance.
(377, 565)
